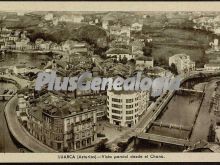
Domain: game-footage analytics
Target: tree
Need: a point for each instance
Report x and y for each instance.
(147, 49)
(124, 60)
(173, 69)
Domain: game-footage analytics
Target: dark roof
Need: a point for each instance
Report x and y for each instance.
(118, 51)
(144, 58)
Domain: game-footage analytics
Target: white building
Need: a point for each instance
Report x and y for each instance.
(125, 107)
(182, 62)
(22, 103)
(136, 27)
(48, 17)
(144, 62)
(212, 67)
(20, 69)
(71, 18)
(119, 53)
(105, 25)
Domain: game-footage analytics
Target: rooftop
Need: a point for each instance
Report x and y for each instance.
(212, 65)
(144, 58)
(56, 106)
(118, 51)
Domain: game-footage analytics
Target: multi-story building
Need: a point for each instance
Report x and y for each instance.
(62, 125)
(136, 26)
(212, 66)
(137, 46)
(182, 62)
(144, 62)
(71, 18)
(125, 107)
(119, 53)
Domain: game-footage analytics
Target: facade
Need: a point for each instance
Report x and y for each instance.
(182, 62)
(144, 62)
(71, 18)
(136, 27)
(158, 72)
(105, 25)
(125, 107)
(119, 53)
(63, 126)
(137, 46)
(48, 17)
(212, 67)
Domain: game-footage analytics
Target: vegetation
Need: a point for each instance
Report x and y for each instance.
(173, 69)
(102, 147)
(148, 48)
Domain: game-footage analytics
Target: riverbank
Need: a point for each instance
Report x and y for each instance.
(43, 52)
(19, 133)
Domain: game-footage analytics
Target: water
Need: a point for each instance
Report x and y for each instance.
(144, 146)
(13, 59)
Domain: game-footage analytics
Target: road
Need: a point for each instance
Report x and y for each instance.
(203, 121)
(7, 144)
(19, 132)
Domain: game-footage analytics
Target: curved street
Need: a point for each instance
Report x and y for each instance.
(19, 132)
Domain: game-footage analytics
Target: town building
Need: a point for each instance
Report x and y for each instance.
(182, 62)
(71, 18)
(124, 108)
(48, 17)
(136, 27)
(137, 46)
(143, 62)
(119, 53)
(63, 125)
(212, 66)
(74, 46)
(157, 72)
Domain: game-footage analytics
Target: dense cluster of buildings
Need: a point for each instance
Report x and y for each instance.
(68, 123)
(14, 39)
(209, 23)
(63, 125)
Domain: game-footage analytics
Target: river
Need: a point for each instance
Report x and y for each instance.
(13, 59)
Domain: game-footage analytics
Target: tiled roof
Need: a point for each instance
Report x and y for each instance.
(118, 51)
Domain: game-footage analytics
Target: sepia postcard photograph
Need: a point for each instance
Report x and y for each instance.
(109, 81)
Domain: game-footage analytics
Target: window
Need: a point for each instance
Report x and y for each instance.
(129, 112)
(116, 106)
(116, 100)
(116, 117)
(83, 134)
(116, 111)
(136, 104)
(129, 100)
(129, 106)
(129, 117)
(77, 136)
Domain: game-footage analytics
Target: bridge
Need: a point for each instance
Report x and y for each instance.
(164, 139)
(153, 111)
(173, 126)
